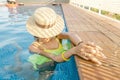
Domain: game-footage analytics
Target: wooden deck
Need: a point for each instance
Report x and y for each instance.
(102, 31)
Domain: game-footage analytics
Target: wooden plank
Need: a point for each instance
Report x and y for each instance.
(107, 73)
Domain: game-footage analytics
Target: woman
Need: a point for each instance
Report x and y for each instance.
(11, 4)
(47, 26)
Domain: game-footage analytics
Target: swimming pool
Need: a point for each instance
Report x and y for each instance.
(14, 43)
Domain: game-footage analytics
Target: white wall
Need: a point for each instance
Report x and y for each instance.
(2, 1)
(108, 5)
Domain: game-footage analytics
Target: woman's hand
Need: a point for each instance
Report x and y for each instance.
(90, 51)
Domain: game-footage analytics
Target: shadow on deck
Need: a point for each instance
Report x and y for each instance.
(102, 31)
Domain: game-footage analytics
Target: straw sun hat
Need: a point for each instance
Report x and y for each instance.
(45, 23)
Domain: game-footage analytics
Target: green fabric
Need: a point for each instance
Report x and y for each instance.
(36, 59)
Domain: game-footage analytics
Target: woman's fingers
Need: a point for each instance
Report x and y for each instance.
(95, 50)
(90, 51)
(94, 59)
(89, 56)
(83, 55)
(90, 44)
(99, 48)
(98, 52)
(102, 55)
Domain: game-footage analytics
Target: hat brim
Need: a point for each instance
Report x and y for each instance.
(37, 31)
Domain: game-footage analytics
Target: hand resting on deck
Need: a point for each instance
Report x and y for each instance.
(90, 51)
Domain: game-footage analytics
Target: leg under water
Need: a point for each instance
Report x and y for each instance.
(25, 70)
(46, 70)
(22, 70)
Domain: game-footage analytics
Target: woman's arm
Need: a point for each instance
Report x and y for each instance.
(57, 58)
(86, 51)
(74, 38)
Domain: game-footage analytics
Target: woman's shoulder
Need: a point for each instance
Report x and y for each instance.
(34, 47)
(35, 44)
(66, 35)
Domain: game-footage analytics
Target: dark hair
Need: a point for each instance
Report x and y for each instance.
(8, 1)
(11, 2)
(36, 38)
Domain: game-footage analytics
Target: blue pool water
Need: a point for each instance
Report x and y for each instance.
(14, 43)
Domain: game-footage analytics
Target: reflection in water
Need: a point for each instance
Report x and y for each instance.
(12, 14)
(12, 10)
(22, 70)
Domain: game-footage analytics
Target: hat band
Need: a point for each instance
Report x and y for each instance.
(45, 26)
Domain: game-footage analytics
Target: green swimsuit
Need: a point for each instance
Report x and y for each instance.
(37, 59)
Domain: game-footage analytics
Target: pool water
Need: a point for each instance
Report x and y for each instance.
(14, 43)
